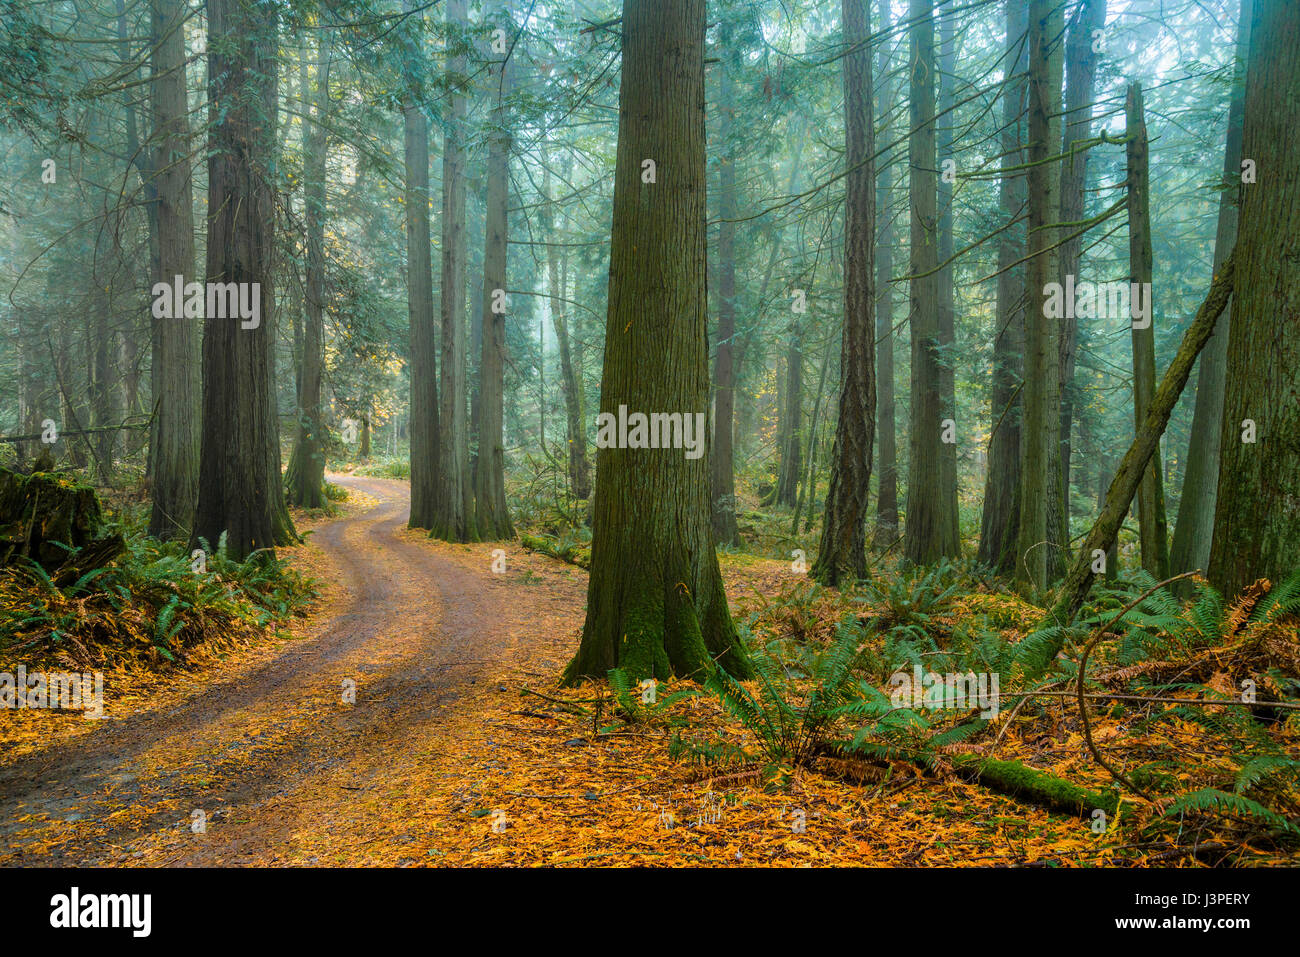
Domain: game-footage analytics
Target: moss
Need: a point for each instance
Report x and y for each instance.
(1016, 780)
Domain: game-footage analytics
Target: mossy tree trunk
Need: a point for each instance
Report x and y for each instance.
(655, 602)
(1257, 515)
(842, 555)
(930, 529)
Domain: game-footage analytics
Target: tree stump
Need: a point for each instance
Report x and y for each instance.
(55, 522)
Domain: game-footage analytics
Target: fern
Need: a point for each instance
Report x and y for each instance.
(1215, 801)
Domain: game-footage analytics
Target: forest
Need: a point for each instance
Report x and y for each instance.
(657, 434)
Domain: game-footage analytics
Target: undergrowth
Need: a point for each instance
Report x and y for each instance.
(149, 607)
(821, 699)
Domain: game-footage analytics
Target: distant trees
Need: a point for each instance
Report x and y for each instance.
(722, 466)
(1152, 530)
(1194, 530)
(305, 476)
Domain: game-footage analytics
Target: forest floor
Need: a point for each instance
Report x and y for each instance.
(459, 747)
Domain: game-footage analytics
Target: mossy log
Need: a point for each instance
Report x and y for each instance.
(53, 521)
(1046, 790)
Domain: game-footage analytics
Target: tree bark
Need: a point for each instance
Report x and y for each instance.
(929, 533)
(1041, 393)
(453, 504)
(842, 555)
(886, 532)
(1257, 514)
(655, 603)
(174, 367)
(492, 516)
(240, 491)
(423, 425)
(945, 80)
(1000, 518)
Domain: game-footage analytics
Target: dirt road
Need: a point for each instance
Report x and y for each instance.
(266, 762)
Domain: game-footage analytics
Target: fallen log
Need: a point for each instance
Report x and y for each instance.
(1038, 787)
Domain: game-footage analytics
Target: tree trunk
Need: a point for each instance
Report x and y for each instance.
(655, 603)
(886, 532)
(1080, 77)
(306, 474)
(492, 515)
(174, 367)
(929, 533)
(423, 425)
(1041, 393)
(842, 556)
(240, 492)
(1000, 519)
(945, 80)
(787, 481)
(576, 437)
(1151, 493)
(722, 466)
(452, 513)
(1257, 514)
(1195, 526)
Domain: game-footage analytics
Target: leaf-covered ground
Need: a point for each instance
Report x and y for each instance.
(461, 749)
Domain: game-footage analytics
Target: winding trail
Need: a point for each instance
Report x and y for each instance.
(271, 757)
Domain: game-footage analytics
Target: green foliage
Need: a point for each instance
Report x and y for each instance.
(150, 604)
(912, 603)
(1233, 805)
(628, 698)
(387, 466)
